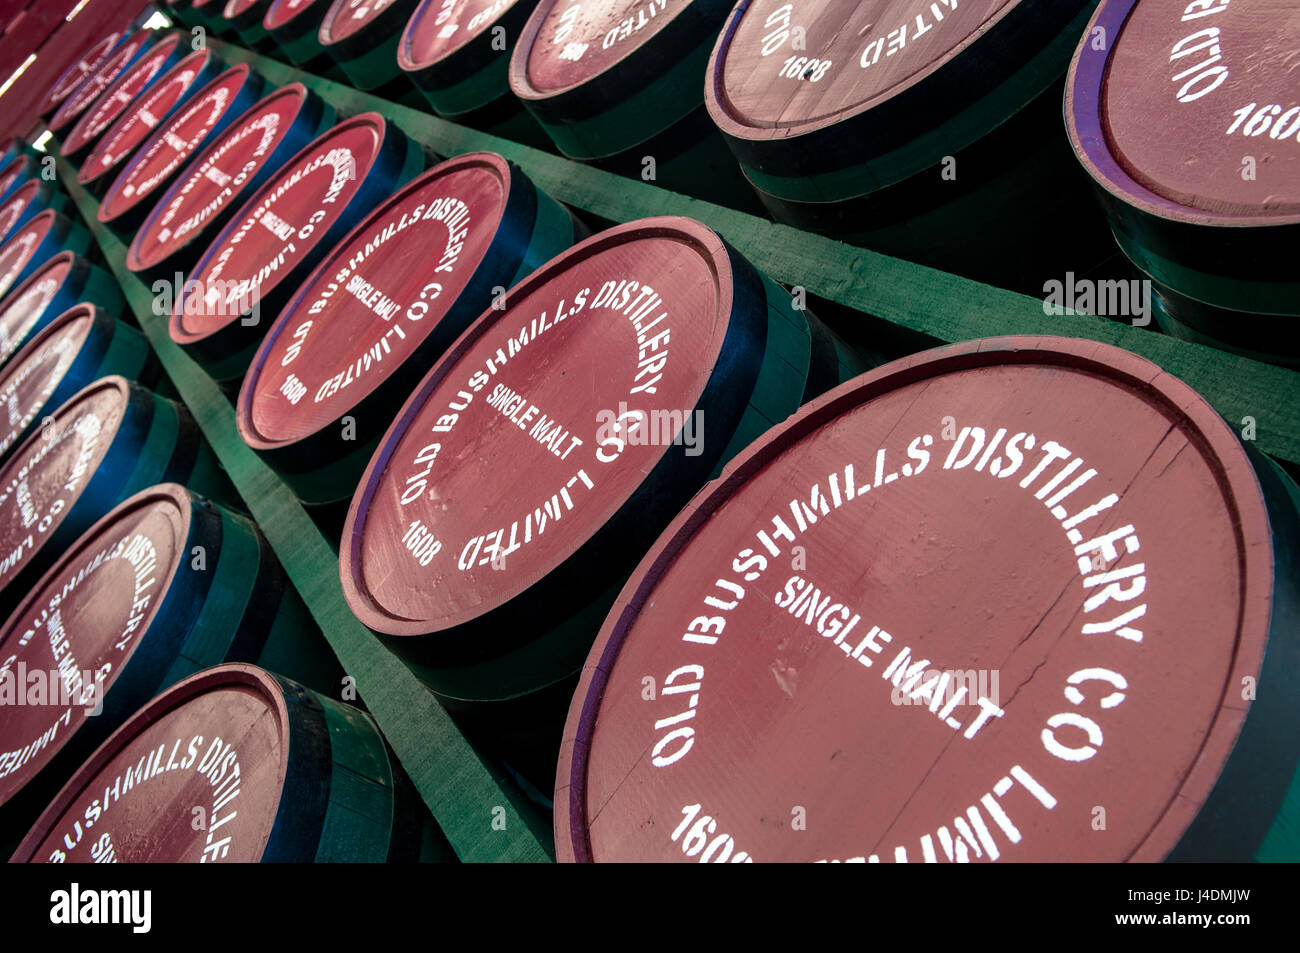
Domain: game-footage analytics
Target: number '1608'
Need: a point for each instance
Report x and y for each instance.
(703, 841)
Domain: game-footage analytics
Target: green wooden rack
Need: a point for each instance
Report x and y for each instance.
(481, 809)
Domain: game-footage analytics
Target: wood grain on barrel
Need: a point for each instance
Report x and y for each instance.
(852, 56)
(174, 142)
(1191, 90)
(578, 40)
(439, 28)
(1095, 594)
(85, 622)
(20, 311)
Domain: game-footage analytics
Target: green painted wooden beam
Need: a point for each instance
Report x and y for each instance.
(943, 307)
(460, 787)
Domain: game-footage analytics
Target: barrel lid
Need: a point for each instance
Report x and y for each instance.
(12, 208)
(103, 77)
(188, 742)
(138, 123)
(283, 12)
(79, 71)
(566, 42)
(346, 18)
(13, 170)
(17, 252)
(84, 620)
(1069, 617)
(50, 470)
(208, 184)
(27, 382)
(300, 202)
(438, 29)
(382, 290)
(124, 92)
(237, 8)
(630, 320)
(1187, 95)
(173, 142)
(21, 310)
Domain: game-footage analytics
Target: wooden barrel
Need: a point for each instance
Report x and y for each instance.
(381, 307)
(17, 171)
(214, 185)
(245, 17)
(123, 55)
(295, 26)
(78, 72)
(107, 442)
(165, 96)
(209, 12)
(362, 38)
(163, 586)
(457, 54)
(64, 281)
(77, 348)
(929, 131)
(18, 147)
(316, 782)
(249, 271)
(32, 245)
(618, 83)
(159, 160)
(182, 12)
(123, 94)
(26, 202)
(1008, 599)
(536, 461)
(1197, 163)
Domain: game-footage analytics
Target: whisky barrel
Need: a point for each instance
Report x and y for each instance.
(183, 12)
(18, 147)
(926, 130)
(122, 95)
(212, 187)
(362, 38)
(295, 26)
(1005, 600)
(32, 245)
(26, 202)
(16, 172)
(169, 93)
(122, 56)
(80, 346)
(209, 12)
(165, 585)
(540, 456)
(316, 782)
(1197, 163)
(107, 442)
(458, 55)
(256, 263)
(161, 157)
(381, 307)
(619, 82)
(64, 281)
(78, 72)
(245, 18)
